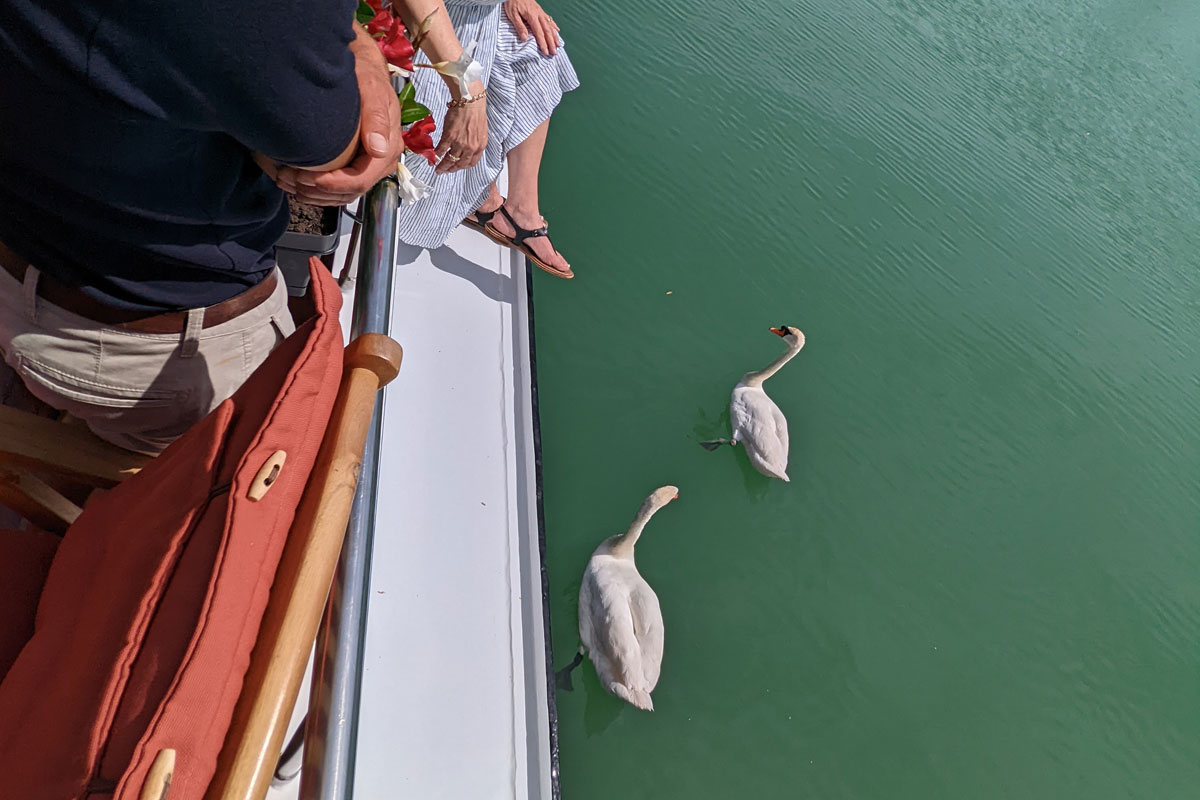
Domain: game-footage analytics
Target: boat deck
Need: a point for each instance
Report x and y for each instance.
(454, 690)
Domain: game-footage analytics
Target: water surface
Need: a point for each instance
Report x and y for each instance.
(982, 581)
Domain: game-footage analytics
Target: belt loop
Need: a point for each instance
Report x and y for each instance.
(29, 292)
(191, 333)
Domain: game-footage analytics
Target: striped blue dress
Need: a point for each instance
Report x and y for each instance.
(523, 89)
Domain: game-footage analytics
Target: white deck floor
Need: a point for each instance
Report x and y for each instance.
(454, 690)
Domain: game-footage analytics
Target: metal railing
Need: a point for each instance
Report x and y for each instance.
(330, 731)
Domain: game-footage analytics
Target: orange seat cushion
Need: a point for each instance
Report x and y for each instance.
(24, 561)
(155, 596)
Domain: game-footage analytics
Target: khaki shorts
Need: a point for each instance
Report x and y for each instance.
(140, 391)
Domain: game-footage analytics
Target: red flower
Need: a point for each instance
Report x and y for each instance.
(380, 23)
(419, 139)
(376, 4)
(397, 49)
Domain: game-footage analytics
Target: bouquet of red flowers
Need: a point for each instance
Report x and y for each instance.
(398, 48)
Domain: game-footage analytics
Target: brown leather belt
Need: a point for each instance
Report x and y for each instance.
(70, 298)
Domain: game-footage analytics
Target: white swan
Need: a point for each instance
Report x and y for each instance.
(620, 622)
(756, 421)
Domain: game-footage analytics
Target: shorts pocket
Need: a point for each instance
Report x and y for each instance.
(95, 393)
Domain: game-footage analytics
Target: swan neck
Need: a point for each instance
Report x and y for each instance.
(757, 378)
(624, 544)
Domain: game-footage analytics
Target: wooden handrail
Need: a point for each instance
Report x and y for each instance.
(302, 581)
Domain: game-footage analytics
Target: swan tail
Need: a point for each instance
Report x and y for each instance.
(635, 697)
(562, 678)
(771, 470)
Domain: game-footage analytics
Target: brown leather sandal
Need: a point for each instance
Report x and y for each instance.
(480, 223)
(517, 242)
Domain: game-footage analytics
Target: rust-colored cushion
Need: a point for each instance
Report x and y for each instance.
(24, 561)
(155, 597)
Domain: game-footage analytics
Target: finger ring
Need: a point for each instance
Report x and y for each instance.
(453, 157)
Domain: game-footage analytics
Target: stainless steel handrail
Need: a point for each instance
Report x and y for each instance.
(330, 731)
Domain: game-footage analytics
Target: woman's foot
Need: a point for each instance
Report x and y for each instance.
(540, 246)
(484, 213)
(490, 206)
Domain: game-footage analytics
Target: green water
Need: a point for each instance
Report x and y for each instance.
(984, 578)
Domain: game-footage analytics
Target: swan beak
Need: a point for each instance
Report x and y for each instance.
(676, 497)
(778, 332)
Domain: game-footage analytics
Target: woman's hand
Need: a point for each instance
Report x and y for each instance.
(464, 135)
(528, 17)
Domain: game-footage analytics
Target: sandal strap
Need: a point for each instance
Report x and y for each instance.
(484, 217)
(523, 233)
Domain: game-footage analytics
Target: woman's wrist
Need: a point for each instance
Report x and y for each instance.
(473, 89)
(475, 97)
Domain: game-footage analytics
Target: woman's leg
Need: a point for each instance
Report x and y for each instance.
(491, 204)
(524, 161)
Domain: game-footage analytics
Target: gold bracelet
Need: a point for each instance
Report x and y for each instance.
(463, 101)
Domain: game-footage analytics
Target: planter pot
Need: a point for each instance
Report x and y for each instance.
(293, 250)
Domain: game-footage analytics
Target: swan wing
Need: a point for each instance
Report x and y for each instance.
(648, 628)
(606, 624)
(589, 601)
(761, 427)
(740, 413)
(781, 430)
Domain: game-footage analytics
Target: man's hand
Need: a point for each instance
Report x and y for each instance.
(381, 139)
(528, 17)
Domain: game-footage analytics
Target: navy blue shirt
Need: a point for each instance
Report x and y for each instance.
(127, 129)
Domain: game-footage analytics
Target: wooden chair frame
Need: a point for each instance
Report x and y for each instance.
(41, 457)
(38, 454)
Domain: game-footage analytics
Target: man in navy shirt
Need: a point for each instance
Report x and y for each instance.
(137, 228)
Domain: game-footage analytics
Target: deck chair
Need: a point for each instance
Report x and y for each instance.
(170, 625)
